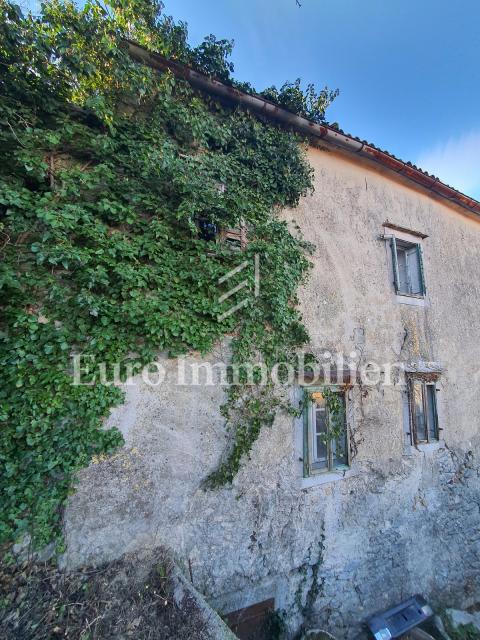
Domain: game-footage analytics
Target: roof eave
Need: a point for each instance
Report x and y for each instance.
(303, 125)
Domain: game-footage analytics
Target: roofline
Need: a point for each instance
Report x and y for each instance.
(322, 131)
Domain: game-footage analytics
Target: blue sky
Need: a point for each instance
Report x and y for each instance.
(408, 71)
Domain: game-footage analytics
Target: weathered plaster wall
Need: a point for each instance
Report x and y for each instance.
(335, 552)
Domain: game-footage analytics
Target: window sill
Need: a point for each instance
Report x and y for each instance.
(425, 447)
(430, 447)
(405, 298)
(326, 477)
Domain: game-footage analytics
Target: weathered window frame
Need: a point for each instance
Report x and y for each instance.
(431, 427)
(416, 247)
(236, 238)
(312, 466)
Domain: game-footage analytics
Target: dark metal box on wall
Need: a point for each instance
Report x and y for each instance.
(398, 620)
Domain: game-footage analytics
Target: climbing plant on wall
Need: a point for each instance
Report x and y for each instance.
(106, 169)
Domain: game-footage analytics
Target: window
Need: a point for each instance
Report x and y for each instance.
(408, 273)
(423, 411)
(236, 238)
(209, 231)
(325, 432)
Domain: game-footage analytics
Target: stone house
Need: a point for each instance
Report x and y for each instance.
(327, 531)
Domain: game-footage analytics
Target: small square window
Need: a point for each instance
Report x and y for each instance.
(423, 411)
(325, 432)
(235, 239)
(408, 275)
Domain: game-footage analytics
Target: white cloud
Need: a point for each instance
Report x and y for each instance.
(456, 162)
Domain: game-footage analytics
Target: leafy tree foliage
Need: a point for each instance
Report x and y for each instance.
(308, 103)
(105, 169)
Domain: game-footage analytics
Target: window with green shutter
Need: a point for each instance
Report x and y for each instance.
(408, 273)
(423, 411)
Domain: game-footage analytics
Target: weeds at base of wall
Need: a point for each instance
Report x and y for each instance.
(303, 605)
(114, 600)
(275, 625)
(462, 632)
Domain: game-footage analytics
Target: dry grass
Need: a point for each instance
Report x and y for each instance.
(133, 597)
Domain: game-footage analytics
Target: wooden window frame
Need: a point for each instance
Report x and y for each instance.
(413, 426)
(308, 434)
(232, 236)
(236, 238)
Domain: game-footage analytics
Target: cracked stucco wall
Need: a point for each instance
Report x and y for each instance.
(334, 553)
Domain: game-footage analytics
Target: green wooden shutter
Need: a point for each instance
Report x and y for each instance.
(411, 417)
(420, 266)
(306, 432)
(432, 416)
(396, 277)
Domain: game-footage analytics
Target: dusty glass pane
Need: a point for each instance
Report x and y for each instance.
(320, 446)
(402, 270)
(414, 275)
(418, 412)
(339, 446)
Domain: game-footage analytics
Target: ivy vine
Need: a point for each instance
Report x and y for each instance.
(106, 168)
